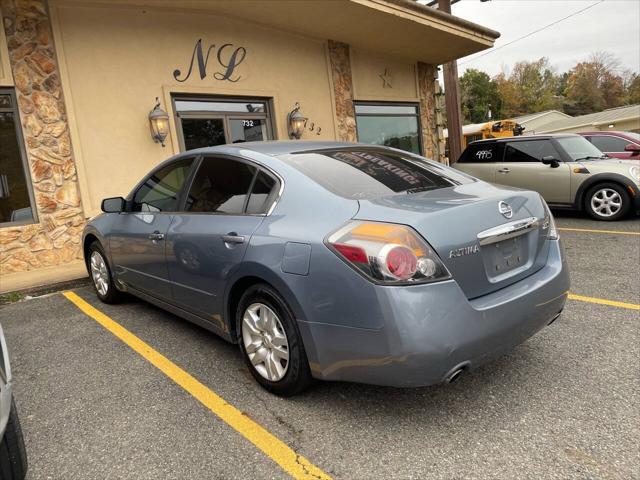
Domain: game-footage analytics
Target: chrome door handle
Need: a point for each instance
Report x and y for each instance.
(233, 238)
(156, 236)
(504, 170)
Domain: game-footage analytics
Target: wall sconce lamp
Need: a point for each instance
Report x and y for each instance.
(296, 122)
(159, 123)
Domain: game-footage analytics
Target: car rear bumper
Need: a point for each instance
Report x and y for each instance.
(430, 331)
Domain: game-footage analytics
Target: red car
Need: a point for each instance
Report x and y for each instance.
(625, 145)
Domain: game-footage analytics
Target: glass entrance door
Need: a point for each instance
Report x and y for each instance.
(206, 122)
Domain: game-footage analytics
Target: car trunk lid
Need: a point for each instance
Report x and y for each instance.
(484, 247)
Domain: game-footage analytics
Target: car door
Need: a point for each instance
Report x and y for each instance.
(480, 159)
(226, 203)
(137, 239)
(522, 167)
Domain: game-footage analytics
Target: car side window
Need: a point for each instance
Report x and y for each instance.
(609, 144)
(161, 190)
(220, 186)
(263, 194)
(482, 153)
(529, 151)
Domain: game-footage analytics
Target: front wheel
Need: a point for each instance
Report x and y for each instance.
(607, 201)
(270, 342)
(101, 275)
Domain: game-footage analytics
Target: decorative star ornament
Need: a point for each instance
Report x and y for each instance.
(386, 78)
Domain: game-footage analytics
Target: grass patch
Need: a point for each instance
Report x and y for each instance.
(11, 298)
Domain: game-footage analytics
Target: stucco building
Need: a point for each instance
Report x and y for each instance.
(78, 79)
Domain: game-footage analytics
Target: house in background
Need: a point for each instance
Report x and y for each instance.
(625, 119)
(533, 122)
(78, 79)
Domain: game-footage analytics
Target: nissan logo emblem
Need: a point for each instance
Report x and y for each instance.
(505, 209)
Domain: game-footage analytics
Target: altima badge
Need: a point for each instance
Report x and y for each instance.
(505, 209)
(461, 252)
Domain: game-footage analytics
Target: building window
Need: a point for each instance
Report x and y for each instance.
(15, 191)
(211, 121)
(394, 125)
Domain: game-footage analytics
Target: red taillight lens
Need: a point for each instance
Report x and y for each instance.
(400, 262)
(352, 253)
(387, 253)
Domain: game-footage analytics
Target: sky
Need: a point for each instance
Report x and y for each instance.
(610, 25)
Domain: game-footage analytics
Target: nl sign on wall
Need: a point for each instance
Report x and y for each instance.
(228, 57)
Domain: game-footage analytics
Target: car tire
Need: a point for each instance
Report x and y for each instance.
(607, 202)
(13, 456)
(101, 276)
(263, 341)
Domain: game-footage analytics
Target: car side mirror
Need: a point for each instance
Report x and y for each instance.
(113, 205)
(631, 147)
(551, 161)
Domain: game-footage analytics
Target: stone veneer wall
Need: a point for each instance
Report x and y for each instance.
(55, 240)
(343, 90)
(428, 117)
(343, 93)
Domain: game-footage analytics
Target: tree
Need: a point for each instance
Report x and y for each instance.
(531, 87)
(594, 85)
(479, 95)
(631, 82)
(583, 90)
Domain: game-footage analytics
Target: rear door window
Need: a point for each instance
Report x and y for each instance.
(482, 153)
(221, 185)
(529, 151)
(263, 194)
(368, 173)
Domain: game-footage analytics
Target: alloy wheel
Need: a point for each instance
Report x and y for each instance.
(265, 341)
(606, 202)
(99, 273)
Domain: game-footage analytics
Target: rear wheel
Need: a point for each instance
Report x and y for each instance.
(607, 201)
(13, 456)
(270, 342)
(101, 275)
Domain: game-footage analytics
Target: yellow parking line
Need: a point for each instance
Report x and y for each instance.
(294, 464)
(589, 230)
(603, 301)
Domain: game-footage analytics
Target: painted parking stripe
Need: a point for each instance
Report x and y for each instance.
(294, 464)
(604, 301)
(589, 230)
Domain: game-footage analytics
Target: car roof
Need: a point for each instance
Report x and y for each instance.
(617, 133)
(522, 138)
(279, 147)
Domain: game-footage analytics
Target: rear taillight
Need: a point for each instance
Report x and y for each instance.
(387, 253)
(549, 223)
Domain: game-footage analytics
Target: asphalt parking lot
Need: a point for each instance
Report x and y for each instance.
(565, 404)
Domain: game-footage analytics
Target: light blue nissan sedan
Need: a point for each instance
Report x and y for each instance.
(335, 261)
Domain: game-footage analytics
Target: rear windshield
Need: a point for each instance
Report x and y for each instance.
(634, 135)
(370, 173)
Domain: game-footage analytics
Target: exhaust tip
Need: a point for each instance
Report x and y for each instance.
(455, 375)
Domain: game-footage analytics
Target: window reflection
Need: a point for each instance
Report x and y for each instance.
(396, 126)
(15, 200)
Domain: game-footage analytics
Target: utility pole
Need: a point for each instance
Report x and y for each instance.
(452, 100)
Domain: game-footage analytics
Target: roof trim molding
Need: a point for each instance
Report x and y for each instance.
(434, 13)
